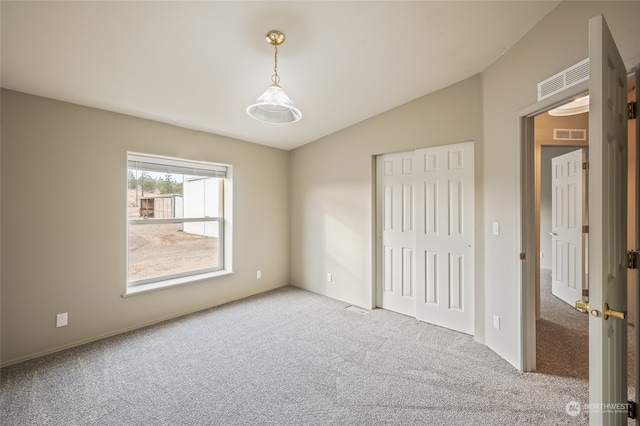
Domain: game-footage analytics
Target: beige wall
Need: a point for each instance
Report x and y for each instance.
(331, 188)
(332, 184)
(557, 42)
(66, 259)
(64, 222)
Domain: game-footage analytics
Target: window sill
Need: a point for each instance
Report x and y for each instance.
(159, 285)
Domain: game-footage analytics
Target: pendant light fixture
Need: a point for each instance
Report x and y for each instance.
(579, 106)
(274, 106)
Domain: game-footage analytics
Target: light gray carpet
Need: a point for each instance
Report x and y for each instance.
(562, 337)
(286, 357)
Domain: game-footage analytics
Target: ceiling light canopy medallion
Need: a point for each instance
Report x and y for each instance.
(274, 106)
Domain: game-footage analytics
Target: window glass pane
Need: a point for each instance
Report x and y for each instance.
(159, 249)
(175, 217)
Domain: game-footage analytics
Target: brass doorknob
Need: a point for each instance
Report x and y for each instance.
(608, 312)
(582, 306)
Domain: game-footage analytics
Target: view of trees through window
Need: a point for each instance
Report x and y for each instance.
(149, 184)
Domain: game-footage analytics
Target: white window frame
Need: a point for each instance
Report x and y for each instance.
(150, 162)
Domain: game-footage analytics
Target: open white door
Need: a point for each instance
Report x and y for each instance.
(567, 220)
(396, 231)
(607, 228)
(444, 237)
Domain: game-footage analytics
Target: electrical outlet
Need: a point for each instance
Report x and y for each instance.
(329, 277)
(62, 319)
(259, 274)
(496, 322)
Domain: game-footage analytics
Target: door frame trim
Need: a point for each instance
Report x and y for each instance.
(529, 273)
(527, 289)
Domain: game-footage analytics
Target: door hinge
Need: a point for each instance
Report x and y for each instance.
(633, 259)
(585, 165)
(585, 229)
(631, 409)
(633, 114)
(523, 256)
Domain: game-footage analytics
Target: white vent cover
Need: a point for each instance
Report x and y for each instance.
(357, 310)
(570, 77)
(569, 134)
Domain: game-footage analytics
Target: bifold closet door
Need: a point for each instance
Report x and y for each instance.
(396, 233)
(445, 236)
(425, 208)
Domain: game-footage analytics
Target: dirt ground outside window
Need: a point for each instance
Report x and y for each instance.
(163, 249)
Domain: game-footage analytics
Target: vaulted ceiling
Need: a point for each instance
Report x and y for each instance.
(200, 64)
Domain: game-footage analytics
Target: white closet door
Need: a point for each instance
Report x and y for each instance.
(396, 231)
(445, 236)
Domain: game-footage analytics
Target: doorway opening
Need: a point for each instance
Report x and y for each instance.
(540, 330)
(562, 333)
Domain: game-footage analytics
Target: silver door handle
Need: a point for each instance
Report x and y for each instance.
(553, 233)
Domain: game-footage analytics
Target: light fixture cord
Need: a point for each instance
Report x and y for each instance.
(275, 77)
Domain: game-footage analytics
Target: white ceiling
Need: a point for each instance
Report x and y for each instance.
(200, 64)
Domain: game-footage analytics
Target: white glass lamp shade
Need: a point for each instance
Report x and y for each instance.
(274, 106)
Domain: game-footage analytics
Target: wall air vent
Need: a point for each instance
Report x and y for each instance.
(570, 77)
(569, 134)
